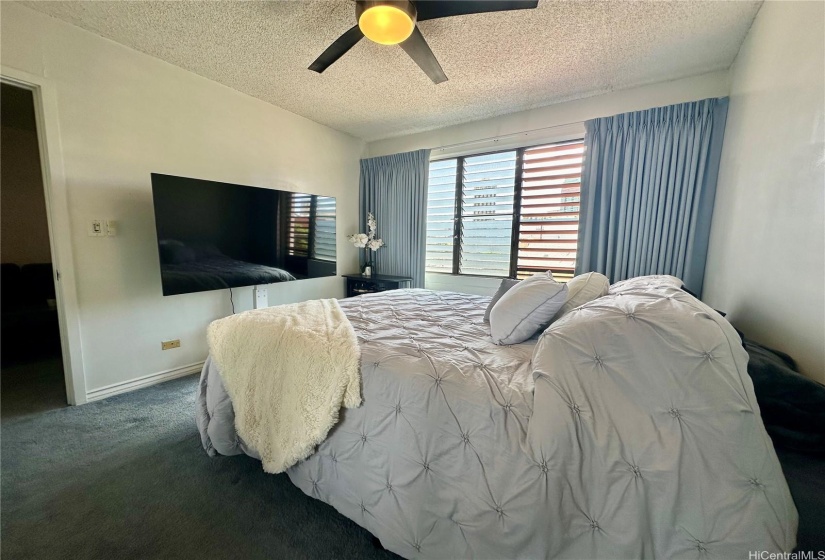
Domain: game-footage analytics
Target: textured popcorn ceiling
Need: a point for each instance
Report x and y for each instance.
(496, 63)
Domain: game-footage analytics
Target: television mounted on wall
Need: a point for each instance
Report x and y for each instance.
(213, 236)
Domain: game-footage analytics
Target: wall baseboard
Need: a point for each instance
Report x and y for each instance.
(141, 382)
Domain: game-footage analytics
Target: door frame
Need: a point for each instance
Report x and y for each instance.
(59, 223)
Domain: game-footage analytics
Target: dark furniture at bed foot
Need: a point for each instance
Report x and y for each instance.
(793, 410)
(358, 284)
(806, 480)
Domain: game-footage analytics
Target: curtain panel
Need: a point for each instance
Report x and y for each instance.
(394, 188)
(648, 187)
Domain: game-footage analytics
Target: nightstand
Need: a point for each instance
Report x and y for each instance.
(358, 284)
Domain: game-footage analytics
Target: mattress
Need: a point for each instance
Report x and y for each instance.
(629, 429)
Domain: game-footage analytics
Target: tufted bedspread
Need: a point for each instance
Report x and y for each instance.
(633, 431)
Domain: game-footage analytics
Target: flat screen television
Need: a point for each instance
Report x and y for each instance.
(213, 236)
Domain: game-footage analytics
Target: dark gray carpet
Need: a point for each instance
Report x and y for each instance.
(127, 478)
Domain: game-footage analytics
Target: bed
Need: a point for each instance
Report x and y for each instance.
(628, 429)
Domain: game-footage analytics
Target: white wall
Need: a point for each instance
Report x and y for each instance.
(714, 84)
(123, 115)
(559, 117)
(766, 264)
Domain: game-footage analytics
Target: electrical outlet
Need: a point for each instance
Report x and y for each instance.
(261, 297)
(169, 344)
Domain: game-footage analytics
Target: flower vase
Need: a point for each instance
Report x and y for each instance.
(369, 266)
(368, 269)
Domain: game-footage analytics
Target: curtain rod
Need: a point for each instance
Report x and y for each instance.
(502, 137)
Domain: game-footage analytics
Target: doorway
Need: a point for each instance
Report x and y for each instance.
(31, 364)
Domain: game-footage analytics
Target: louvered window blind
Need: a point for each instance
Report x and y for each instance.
(487, 192)
(505, 214)
(549, 216)
(311, 226)
(441, 215)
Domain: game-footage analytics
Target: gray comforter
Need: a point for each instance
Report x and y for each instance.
(629, 429)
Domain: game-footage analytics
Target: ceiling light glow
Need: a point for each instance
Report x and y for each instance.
(386, 24)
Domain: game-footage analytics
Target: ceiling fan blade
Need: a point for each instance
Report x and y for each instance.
(337, 49)
(433, 9)
(418, 49)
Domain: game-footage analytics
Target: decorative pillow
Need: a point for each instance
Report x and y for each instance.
(505, 285)
(583, 288)
(525, 308)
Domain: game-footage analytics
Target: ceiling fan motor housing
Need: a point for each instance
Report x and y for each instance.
(405, 6)
(386, 22)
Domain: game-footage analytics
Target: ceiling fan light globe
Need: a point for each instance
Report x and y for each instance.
(386, 24)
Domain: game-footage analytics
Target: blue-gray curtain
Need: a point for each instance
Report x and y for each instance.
(394, 188)
(648, 187)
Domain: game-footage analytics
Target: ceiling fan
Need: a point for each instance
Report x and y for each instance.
(391, 22)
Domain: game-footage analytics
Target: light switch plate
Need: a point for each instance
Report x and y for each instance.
(110, 227)
(96, 228)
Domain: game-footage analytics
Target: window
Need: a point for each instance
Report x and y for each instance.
(311, 226)
(509, 213)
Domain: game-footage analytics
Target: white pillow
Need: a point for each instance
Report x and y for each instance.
(503, 288)
(526, 307)
(582, 289)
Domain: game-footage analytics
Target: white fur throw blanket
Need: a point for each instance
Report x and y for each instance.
(288, 370)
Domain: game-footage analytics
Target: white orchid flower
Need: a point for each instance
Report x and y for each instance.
(371, 224)
(360, 240)
(376, 244)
